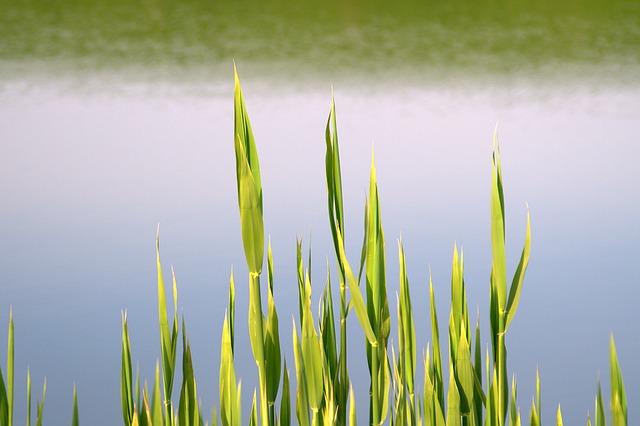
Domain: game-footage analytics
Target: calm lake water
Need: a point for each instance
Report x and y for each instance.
(116, 115)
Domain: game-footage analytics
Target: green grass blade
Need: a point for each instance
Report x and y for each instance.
(188, 409)
(232, 310)
(437, 359)
(453, 401)
(75, 419)
(464, 374)
(273, 357)
(353, 421)
(168, 337)
(156, 399)
(514, 418)
(302, 400)
(40, 405)
(249, 184)
(356, 296)
(285, 402)
(312, 359)
(618, 394)
(405, 318)
(28, 397)
(333, 175)
(228, 391)
(126, 391)
(559, 417)
(518, 278)
(10, 359)
(329, 344)
(242, 130)
(599, 414)
(499, 266)
(253, 420)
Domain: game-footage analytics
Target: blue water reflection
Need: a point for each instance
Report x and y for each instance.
(104, 132)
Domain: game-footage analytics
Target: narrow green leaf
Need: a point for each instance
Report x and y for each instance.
(437, 359)
(464, 374)
(232, 310)
(156, 399)
(273, 357)
(327, 331)
(250, 205)
(618, 394)
(405, 317)
(559, 417)
(188, 410)
(514, 414)
(302, 400)
(356, 295)
(599, 413)
(249, 184)
(518, 278)
(312, 357)
(126, 380)
(453, 402)
(28, 397)
(40, 405)
(285, 402)
(167, 340)
(75, 420)
(333, 175)
(253, 420)
(499, 266)
(228, 393)
(10, 359)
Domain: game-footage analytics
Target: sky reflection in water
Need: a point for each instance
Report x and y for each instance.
(117, 115)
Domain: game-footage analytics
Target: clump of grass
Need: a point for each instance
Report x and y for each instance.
(479, 391)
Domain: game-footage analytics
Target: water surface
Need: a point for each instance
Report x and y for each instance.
(117, 115)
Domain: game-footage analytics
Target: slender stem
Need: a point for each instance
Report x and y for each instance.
(257, 341)
(375, 419)
(344, 377)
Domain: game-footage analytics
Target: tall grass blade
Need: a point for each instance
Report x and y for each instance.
(559, 417)
(273, 357)
(353, 421)
(618, 394)
(75, 418)
(356, 296)
(406, 332)
(40, 405)
(453, 401)
(438, 387)
(156, 399)
(302, 400)
(229, 411)
(168, 337)
(599, 413)
(126, 391)
(28, 397)
(249, 184)
(285, 402)
(518, 278)
(188, 409)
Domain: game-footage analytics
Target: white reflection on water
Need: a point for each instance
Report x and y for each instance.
(86, 174)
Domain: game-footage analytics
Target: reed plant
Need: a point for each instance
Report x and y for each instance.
(477, 392)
